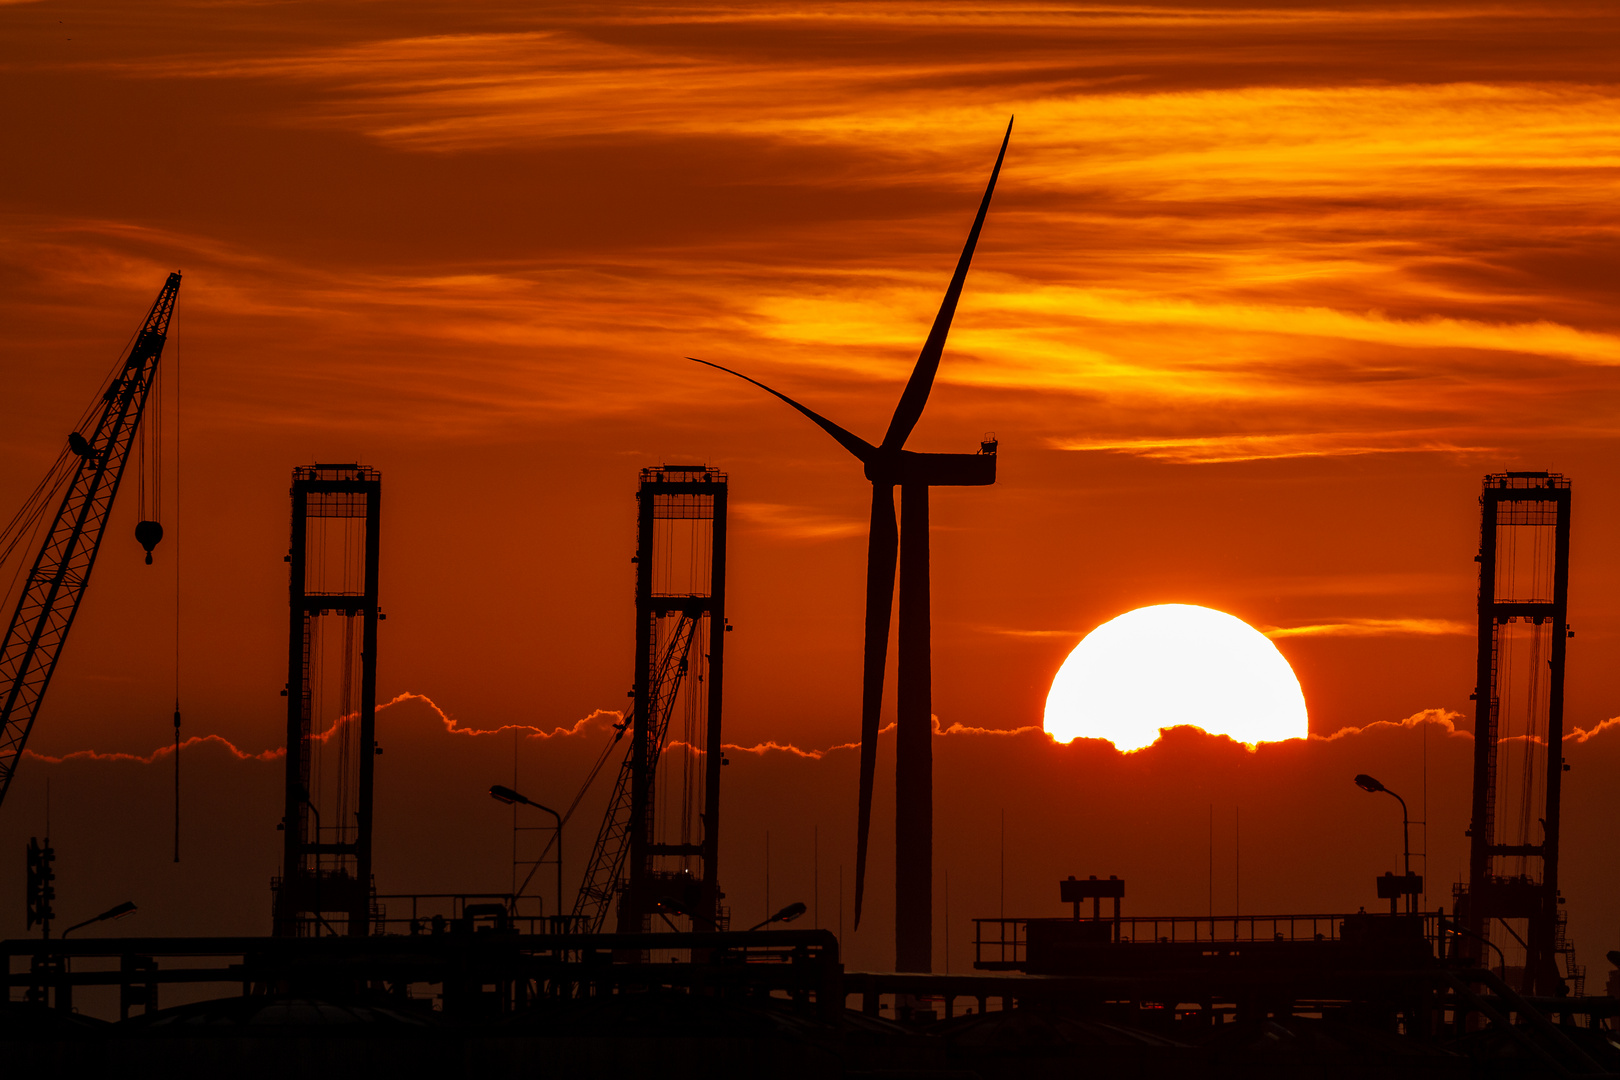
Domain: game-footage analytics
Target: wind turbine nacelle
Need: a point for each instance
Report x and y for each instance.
(934, 470)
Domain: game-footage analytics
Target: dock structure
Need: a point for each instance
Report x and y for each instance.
(1174, 992)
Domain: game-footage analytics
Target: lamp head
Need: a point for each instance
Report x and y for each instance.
(126, 908)
(789, 913)
(501, 793)
(1368, 784)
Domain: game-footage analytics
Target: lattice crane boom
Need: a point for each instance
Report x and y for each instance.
(605, 870)
(56, 582)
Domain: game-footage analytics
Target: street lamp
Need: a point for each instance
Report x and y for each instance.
(118, 912)
(787, 914)
(1458, 928)
(1373, 787)
(503, 794)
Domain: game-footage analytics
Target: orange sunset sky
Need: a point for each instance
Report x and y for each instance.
(1264, 291)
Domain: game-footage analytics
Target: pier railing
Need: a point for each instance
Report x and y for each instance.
(1000, 944)
(471, 968)
(437, 913)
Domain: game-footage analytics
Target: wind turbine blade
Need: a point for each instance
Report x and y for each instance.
(915, 396)
(848, 440)
(882, 546)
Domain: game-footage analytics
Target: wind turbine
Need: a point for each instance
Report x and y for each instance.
(890, 465)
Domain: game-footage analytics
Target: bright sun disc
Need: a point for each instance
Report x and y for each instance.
(1173, 664)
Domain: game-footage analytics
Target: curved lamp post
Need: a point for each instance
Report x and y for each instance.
(501, 793)
(787, 914)
(118, 912)
(1373, 787)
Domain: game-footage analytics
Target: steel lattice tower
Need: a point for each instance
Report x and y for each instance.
(680, 643)
(1519, 707)
(326, 866)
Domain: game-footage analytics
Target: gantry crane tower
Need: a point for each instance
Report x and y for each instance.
(646, 860)
(332, 584)
(96, 456)
(1519, 725)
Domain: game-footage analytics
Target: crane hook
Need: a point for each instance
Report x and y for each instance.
(148, 533)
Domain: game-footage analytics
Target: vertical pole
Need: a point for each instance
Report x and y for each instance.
(632, 904)
(177, 781)
(714, 751)
(1406, 850)
(174, 365)
(1483, 826)
(914, 751)
(515, 787)
(1544, 931)
(360, 913)
(294, 816)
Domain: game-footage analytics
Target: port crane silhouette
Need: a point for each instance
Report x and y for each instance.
(93, 465)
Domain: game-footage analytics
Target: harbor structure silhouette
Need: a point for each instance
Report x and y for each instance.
(464, 983)
(87, 472)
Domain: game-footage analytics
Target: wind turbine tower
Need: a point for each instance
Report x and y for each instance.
(890, 465)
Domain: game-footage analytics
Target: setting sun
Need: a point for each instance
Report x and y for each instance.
(1172, 664)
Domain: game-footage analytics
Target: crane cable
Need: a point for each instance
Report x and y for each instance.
(590, 778)
(174, 363)
(26, 522)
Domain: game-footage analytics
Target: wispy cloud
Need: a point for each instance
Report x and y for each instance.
(772, 746)
(797, 522)
(1444, 719)
(1013, 631)
(1283, 260)
(1581, 735)
(1224, 449)
(1341, 627)
(958, 728)
(196, 742)
(1205, 248)
(597, 722)
(1375, 628)
(578, 77)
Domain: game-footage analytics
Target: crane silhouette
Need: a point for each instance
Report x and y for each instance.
(60, 573)
(890, 465)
